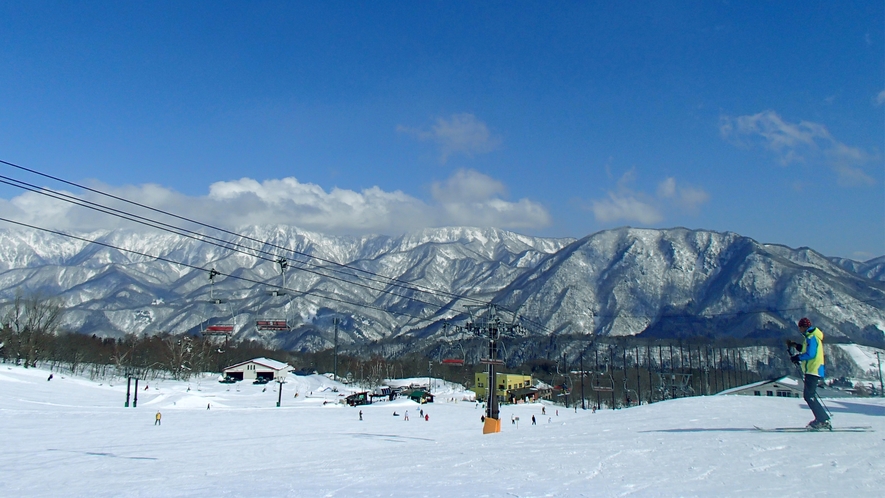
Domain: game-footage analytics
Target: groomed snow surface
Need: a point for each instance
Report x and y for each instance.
(73, 437)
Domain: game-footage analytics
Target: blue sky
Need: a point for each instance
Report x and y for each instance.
(762, 118)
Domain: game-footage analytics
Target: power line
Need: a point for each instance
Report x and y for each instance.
(390, 281)
(338, 267)
(194, 267)
(224, 244)
(386, 310)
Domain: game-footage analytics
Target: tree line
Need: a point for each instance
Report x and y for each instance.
(603, 371)
(31, 335)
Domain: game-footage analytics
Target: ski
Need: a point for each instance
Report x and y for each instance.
(851, 428)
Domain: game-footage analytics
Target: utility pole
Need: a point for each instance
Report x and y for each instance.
(638, 379)
(565, 379)
(611, 363)
(596, 369)
(624, 362)
(583, 373)
(881, 387)
(651, 390)
(335, 371)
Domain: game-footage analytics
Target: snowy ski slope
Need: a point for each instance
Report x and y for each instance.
(73, 437)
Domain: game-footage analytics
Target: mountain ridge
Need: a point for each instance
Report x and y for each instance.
(674, 282)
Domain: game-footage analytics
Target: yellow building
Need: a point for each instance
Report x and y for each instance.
(506, 382)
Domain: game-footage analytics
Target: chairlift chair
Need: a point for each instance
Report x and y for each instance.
(218, 329)
(272, 324)
(453, 361)
(276, 323)
(224, 329)
(596, 385)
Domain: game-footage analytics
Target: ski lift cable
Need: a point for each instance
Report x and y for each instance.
(186, 265)
(392, 281)
(228, 245)
(118, 213)
(189, 234)
(224, 244)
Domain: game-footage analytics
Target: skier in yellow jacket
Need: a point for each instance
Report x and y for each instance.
(810, 358)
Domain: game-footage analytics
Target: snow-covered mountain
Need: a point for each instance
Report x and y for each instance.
(874, 268)
(663, 283)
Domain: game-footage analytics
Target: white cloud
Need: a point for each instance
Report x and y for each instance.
(460, 134)
(849, 176)
(467, 186)
(625, 207)
(691, 198)
(626, 204)
(880, 99)
(471, 198)
(667, 188)
(801, 142)
(844, 160)
(783, 138)
(467, 198)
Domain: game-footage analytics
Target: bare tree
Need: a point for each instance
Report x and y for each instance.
(28, 322)
(179, 349)
(377, 368)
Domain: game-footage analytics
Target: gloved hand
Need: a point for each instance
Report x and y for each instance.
(795, 359)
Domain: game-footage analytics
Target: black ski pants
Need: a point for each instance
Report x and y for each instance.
(810, 395)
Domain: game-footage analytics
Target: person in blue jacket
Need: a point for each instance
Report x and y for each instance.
(810, 358)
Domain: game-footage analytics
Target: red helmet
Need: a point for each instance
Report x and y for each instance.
(804, 323)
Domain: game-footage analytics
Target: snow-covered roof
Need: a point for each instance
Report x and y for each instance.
(786, 380)
(265, 362)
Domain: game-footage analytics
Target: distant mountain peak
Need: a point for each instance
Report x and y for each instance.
(623, 281)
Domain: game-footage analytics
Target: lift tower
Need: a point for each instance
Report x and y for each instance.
(487, 322)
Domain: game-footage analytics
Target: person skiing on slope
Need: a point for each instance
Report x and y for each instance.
(810, 358)
(157, 419)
